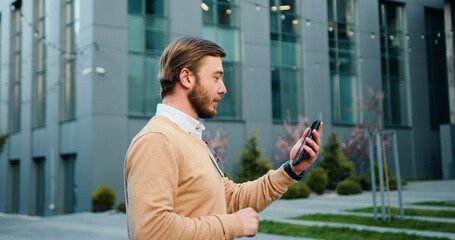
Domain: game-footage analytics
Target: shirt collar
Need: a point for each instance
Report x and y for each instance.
(181, 119)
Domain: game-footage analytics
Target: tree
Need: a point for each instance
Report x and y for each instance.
(251, 166)
(218, 143)
(337, 166)
(375, 104)
(285, 144)
(357, 147)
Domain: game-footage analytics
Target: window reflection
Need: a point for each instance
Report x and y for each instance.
(393, 74)
(285, 24)
(343, 61)
(220, 25)
(147, 38)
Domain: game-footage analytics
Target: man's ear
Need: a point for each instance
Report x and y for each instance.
(186, 78)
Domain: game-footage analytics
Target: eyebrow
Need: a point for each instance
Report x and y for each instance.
(219, 72)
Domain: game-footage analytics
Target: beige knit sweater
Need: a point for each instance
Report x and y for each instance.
(173, 190)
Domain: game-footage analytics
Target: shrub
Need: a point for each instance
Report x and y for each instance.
(348, 187)
(364, 181)
(121, 207)
(251, 166)
(297, 190)
(317, 180)
(103, 198)
(392, 179)
(393, 183)
(337, 166)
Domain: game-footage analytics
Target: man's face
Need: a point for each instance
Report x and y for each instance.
(208, 88)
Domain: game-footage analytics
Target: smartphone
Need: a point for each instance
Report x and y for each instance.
(301, 152)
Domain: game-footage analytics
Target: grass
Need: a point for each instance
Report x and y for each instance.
(411, 212)
(333, 232)
(437, 204)
(369, 221)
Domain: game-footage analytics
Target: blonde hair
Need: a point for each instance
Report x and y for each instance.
(186, 52)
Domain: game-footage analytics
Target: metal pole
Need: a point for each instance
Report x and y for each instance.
(397, 173)
(373, 178)
(381, 176)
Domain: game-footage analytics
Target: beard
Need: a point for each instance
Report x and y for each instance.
(201, 101)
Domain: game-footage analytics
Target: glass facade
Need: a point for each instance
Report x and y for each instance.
(221, 25)
(70, 30)
(147, 38)
(394, 85)
(15, 70)
(437, 68)
(285, 40)
(343, 61)
(39, 56)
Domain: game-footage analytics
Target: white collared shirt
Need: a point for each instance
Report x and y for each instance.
(181, 119)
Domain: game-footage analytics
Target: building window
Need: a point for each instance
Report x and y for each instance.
(343, 61)
(393, 67)
(39, 52)
(69, 32)
(285, 50)
(147, 38)
(437, 68)
(15, 70)
(221, 25)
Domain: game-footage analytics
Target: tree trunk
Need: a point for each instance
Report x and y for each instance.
(386, 172)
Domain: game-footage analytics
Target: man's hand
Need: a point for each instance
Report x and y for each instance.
(312, 150)
(250, 221)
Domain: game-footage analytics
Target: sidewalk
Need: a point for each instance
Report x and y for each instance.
(113, 225)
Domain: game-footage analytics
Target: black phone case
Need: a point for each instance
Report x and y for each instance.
(301, 153)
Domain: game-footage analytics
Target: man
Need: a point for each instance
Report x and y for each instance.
(174, 188)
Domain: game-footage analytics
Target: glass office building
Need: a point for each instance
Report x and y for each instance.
(78, 80)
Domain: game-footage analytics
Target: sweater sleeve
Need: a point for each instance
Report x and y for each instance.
(257, 194)
(151, 185)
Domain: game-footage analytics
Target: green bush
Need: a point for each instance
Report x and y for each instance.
(103, 198)
(393, 182)
(297, 190)
(392, 179)
(121, 207)
(364, 181)
(317, 180)
(348, 187)
(337, 166)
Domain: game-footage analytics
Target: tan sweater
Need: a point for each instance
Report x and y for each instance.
(173, 190)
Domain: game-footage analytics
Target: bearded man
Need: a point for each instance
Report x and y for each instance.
(174, 187)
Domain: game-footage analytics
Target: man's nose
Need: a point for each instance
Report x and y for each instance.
(222, 88)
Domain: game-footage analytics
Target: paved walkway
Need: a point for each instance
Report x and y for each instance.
(113, 225)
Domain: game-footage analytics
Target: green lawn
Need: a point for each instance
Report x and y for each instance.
(437, 204)
(332, 232)
(369, 221)
(411, 212)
